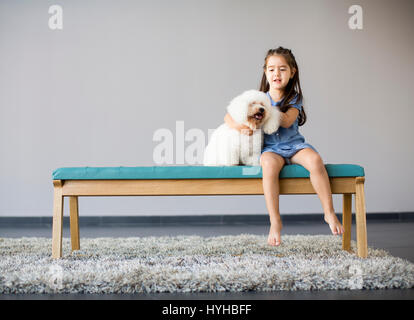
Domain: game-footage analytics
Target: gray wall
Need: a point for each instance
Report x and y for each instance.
(94, 93)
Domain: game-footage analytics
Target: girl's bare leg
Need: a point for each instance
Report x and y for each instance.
(319, 178)
(271, 165)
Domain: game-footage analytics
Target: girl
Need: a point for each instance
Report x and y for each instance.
(280, 81)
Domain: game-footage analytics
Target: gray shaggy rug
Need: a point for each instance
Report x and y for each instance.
(196, 264)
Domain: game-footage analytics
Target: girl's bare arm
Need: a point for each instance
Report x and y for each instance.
(237, 126)
(289, 117)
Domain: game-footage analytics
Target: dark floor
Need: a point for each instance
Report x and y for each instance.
(394, 236)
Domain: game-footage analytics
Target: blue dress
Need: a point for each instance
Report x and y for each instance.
(285, 141)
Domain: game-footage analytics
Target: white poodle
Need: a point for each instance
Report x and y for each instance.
(229, 147)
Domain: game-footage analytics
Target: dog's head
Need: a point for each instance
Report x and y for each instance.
(253, 109)
(257, 112)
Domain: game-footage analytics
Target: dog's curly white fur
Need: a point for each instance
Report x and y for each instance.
(229, 147)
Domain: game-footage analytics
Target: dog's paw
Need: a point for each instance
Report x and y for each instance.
(273, 123)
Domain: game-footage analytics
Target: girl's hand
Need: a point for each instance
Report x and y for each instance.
(245, 130)
(239, 127)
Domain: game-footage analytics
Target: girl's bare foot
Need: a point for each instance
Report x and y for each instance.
(274, 238)
(334, 224)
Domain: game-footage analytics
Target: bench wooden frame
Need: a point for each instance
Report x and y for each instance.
(187, 187)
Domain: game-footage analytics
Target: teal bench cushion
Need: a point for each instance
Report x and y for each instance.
(196, 172)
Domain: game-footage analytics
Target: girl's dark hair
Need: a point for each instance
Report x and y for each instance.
(293, 87)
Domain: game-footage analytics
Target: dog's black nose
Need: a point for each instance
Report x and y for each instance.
(261, 110)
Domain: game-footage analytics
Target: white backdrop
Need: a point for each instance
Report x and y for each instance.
(94, 92)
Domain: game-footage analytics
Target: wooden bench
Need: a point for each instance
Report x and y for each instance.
(345, 179)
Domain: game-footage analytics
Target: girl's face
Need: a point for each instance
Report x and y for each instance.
(278, 72)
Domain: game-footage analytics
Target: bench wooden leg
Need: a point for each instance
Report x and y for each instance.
(360, 215)
(74, 222)
(346, 221)
(57, 220)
